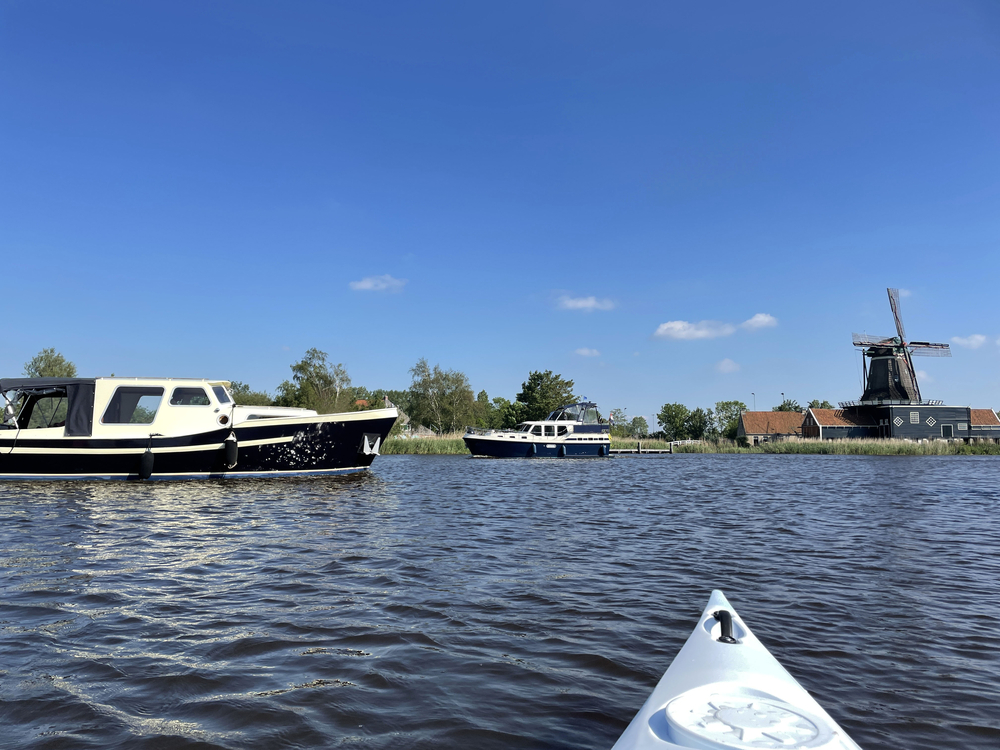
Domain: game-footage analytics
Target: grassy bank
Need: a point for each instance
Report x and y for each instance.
(849, 448)
(439, 445)
(453, 445)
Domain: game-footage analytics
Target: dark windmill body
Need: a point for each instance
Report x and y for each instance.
(891, 405)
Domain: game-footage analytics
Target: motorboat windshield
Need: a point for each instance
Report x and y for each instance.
(585, 412)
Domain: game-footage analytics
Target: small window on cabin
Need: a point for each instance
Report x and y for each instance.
(536, 430)
(221, 394)
(189, 397)
(563, 430)
(45, 411)
(550, 431)
(133, 405)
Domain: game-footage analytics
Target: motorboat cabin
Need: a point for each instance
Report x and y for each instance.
(170, 428)
(574, 431)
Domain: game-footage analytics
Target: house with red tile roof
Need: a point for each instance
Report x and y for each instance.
(830, 424)
(768, 426)
(984, 425)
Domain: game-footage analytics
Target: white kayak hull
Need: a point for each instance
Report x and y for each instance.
(720, 695)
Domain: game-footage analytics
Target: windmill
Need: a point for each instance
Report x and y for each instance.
(890, 376)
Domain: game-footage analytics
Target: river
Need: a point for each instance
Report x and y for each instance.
(449, 602)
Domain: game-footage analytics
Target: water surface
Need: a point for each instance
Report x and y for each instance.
(448, 602)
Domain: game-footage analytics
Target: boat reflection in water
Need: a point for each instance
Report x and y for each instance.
(574, 431)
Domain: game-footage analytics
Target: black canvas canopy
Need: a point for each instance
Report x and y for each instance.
(79, 399)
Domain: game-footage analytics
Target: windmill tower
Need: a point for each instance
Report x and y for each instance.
(890, 376)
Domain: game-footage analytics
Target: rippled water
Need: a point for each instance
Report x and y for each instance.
(447, 602)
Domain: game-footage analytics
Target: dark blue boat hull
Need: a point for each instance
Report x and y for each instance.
(530, 449)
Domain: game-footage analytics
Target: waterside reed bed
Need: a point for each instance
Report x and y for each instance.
(853, 447)
(450, 444)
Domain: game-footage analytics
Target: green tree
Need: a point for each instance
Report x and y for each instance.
(440, 399)
(542, 393)
(317, 384)
(483, 410)
(673, 421)
(787, 405)
(639, 427)
(243, 395)
(697, 423)
(49, 363)
(817, 404)
(727, 417)
(506, 414)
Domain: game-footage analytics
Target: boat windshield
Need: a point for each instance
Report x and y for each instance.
(591, 416)
(523, 427)
(567, 413)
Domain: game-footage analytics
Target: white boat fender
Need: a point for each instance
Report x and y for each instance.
(232, 450)
(534, 450)
(146, 461)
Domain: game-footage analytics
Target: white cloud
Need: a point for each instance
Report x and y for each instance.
(923, 377)
(974, 341)
(705, 329)
(727, 365)
(905, 292)
(760, 320)
(587, 304)
(585, 352)
(384, 283)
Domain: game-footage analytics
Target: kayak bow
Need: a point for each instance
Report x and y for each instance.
(724, 691)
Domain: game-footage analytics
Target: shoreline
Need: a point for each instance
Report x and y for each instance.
(452, 445)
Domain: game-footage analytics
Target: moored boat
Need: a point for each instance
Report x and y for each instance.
(573, 431)
(725, 691)
(169, 428)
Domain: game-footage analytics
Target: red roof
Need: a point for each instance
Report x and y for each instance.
(842, 418)
(772, 422)
(983, 417)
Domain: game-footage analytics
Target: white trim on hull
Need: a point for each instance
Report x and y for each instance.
(182, 476)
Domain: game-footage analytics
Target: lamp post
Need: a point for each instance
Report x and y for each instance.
(782, 398)
(754, 400)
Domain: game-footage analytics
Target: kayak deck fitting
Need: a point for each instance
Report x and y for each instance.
(725, 691)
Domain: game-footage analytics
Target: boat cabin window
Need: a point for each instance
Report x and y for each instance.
(563, 430)
(590, 416)
(550, 430)
(523, 427)
(189, 397)
(222, 394)
(133, 405)
(44, 410)
(536, 429)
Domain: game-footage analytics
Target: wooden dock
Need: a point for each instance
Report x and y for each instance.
(639, 449)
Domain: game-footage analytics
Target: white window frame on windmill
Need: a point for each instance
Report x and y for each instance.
(914, 417)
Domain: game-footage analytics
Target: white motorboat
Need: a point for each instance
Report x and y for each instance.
(168, 428)
(573, 431)
(725, 691)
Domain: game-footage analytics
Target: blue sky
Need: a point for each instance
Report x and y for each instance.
(209, 189)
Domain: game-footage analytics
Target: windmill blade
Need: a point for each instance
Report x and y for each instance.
(927, 349)
(894, 304)
(865, 339)
(913, 373)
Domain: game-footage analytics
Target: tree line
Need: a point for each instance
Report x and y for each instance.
(444, 401)
(678, 422)
(440, 399)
